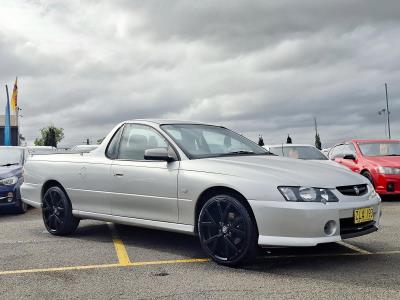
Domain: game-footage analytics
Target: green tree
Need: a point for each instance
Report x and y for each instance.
(318, 141)
(50, 136)
(260, 141)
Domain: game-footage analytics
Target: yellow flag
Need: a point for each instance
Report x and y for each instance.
(14, 103)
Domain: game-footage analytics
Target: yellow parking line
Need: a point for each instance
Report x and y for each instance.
(75, 268)
(354, 248)
(122, 254)
(59, 269)
(178, 261)
(164, 262)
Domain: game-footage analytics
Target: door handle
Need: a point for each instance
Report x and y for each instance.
(118, 174)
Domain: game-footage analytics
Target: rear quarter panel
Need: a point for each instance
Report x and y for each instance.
(65, 169)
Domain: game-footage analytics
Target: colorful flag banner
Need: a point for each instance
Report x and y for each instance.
(14, 101)
(7, 127)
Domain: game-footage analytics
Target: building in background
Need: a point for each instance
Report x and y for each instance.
(14, 130)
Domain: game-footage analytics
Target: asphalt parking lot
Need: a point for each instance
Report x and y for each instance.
(107, 261)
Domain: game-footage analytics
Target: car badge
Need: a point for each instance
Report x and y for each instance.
(357, 190)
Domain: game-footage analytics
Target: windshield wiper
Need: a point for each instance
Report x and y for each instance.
(241, 152)
(8, 165)
(393, 155)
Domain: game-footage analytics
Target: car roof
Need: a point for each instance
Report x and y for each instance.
(289, 145)
(166, 121)
(373, 140)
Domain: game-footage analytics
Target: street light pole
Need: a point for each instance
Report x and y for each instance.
(383, 112)
(387, 110)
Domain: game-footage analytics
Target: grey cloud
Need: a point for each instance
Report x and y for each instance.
(259, 67)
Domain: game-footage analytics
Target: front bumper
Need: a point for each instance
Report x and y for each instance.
(284, 223)
(386, 184)
(9, 197)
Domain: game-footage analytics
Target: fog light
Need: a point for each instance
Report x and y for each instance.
(330, 227)
(390, 187)
(10, 196)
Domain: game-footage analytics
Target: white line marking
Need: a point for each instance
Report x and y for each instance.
(354, 248)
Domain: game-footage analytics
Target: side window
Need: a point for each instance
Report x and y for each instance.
(336, 152)
(349, 149)
(112, 148)
(136, 139)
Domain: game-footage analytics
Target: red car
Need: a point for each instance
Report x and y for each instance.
(378, 160)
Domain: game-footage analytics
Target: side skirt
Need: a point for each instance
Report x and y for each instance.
(174, 227)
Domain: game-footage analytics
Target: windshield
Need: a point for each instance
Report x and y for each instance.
(301, 152)
(380, 148)
(202, 141)
(11, 156)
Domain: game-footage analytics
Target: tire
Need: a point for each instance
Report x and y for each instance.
(227, 232)
(57, 212)
(21, 207)
(368, 175)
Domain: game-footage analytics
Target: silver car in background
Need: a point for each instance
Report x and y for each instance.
(302, 151)
(204, 180)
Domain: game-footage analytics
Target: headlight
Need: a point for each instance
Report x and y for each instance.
(387, 170)
(372, 192)
(307, 194)
(9, 181)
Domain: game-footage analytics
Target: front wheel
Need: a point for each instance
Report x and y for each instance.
(21, 208)
(227, 232)
(369, 177)
(57, 212)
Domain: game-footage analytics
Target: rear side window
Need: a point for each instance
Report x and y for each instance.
(112, 149)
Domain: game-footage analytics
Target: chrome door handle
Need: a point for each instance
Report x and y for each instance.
(118, 174)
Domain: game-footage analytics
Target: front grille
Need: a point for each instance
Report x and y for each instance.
(347, 227)
(353, 190)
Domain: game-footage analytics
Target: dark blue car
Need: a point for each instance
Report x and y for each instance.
(11, 178)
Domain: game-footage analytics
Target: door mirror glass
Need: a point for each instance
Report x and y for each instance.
(159, 154)
(349, 156)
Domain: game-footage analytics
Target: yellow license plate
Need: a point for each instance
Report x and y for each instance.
(363, 215)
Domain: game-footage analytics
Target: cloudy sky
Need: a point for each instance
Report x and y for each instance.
(258, 67)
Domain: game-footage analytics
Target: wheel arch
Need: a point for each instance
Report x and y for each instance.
(365, 170)
(50, 183)
(218, 190)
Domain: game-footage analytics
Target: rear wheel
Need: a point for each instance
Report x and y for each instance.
(57, 212)
(227, 232)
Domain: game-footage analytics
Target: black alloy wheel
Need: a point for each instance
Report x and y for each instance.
(227, 232)
(57, 212)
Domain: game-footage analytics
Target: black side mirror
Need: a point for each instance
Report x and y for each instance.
(349, 156)
(159, 154)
